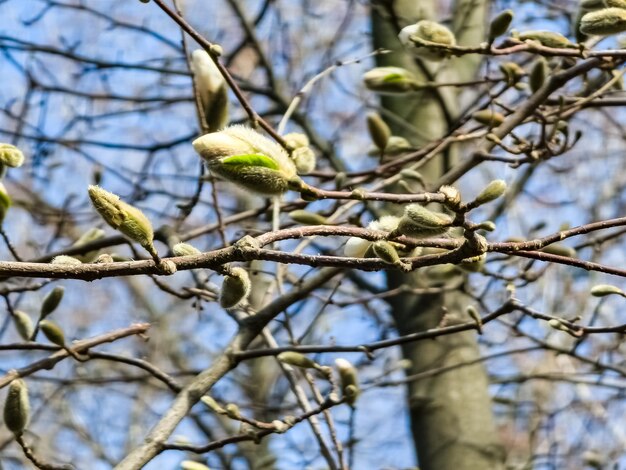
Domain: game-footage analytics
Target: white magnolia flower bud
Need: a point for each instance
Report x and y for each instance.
(211, 88)
(414, 36)
(247, 158)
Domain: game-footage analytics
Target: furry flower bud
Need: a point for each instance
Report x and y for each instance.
(296, 359)
(11, 156)
(349, 380)
(602, 290)
(123, 217)
(388, 253)
(51, 301)
(500, 24)
(488, 117)
(211, 88)
(17, 407)
(235, 288)
(418, 36)
(538, 74)
(247, 158)
(5, 202)
(185, 249)
(604, 22)
(296, 140)
(68, 260)
(304, 159)
(492, 191)
(390, 80)
(379, 130)
(422, 223)
(23, 325)
(547, 39)
(53, 332)
(307, 218)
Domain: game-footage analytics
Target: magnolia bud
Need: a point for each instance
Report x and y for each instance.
(23, 324)
(235, 288)
(296, 359)
(5, 202)
(474, 264)
(488, 117)
(356, 247)
(245, 157)
(104, 258)
(422, 223)
(11, 156)
(547, 39)
(602, 290)
(538, 74)
(185, 249)
(232, 411)
(123, 217)
(387, 223)
(379, 130)
(211, 88)
(17, 407)
(296, 140)
(487, 225)
(492, 191)
(304, 159)
(349, 380)
(388, 253)
(279, 426)
(397, 145)
(53, 332)
(89, 236)
(51, 301)
(390, 80)
(500, 24)
(512, 71)
(604, 22)
(63, 259)
(559, 249)
(307, 218)
(417, 36)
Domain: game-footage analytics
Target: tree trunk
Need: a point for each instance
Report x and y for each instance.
(451, 415)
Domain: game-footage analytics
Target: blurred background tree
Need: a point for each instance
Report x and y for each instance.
(513, 361)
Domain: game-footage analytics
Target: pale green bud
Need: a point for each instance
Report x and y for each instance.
(68, 260)
(487, 225)
(279, 426)
(211, 88)
(185, 249)
(51, 301)
(474, 264)
(538, 73)
(53, 332)
(604, 22)
(602, 290)
(296, 359)
(500, 24)
(104, 258)
(559, 249)
(390, 80)
(307, 218)
(349, 380)
(379, 130)
(356, 247)
(235, 288)
(547, 39)
(305, 160)
(488, 117)
(247, 158)
(512, 71)
(388, 253)
(23, 325)
(492, 191)
(417, 36)
(5, 202)
(11, 156)
(17, 407)
(422, 223)
(232, 411)
(129, 220)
